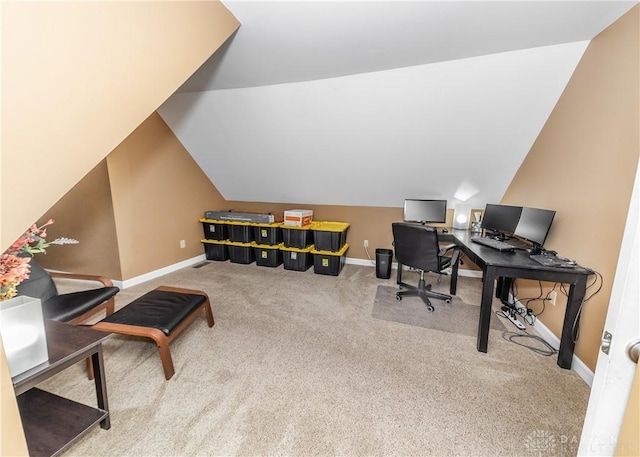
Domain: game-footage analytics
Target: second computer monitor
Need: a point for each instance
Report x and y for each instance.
(534, 225)
(501, 219)
(425, 211)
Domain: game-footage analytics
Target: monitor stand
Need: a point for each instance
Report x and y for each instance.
(536, 250)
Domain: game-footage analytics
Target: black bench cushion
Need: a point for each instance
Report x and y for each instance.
(161, 309)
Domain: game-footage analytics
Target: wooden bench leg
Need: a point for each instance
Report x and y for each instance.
(208, 312)
(167, 361)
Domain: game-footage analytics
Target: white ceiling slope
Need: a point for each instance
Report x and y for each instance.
(303, 40)
(369, 103)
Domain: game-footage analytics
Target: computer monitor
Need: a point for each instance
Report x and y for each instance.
(534, 225)
(425, 211)
(501, 219)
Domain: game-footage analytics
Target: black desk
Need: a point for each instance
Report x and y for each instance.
(52, 423)
(496, 264)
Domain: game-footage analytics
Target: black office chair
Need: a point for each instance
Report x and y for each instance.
(417, 246)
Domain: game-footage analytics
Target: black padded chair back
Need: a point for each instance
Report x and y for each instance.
(416, 246)
(39, 284)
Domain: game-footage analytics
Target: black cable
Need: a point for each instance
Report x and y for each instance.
(512, 336)
(575, 329)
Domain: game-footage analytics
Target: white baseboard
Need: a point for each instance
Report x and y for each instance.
(577, 365)
(160, 272)
(394, 266)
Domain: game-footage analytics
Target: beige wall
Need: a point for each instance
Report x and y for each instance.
(582, 165)
(159, 194)
(132, 210)
(77, 78)
(86, 214)
(76, 81)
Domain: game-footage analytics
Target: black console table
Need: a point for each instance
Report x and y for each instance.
(52, 423)
(510, 265)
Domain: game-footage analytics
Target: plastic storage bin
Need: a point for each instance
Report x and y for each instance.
(267, 255)
(240, 232)
(241, 252)
(329, 236)
(329, 262)
(216, 250)
(269, 234)
(297, 237)
(214, 230)
(297, 259)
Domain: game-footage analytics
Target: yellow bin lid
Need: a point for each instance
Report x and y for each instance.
(295, 227)
(239, 244)
(336, 253)
(327, 226)
(266, 224)
(214, 241)
(266, 246)
(292, 249)
(213, 221)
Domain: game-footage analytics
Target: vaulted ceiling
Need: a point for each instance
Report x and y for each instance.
(370, 102)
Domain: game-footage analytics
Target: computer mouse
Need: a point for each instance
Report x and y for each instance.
(445, 231)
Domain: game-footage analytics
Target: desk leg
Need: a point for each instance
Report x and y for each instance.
(574, 302)
(485, 309)
(101, 386)
(453, 286)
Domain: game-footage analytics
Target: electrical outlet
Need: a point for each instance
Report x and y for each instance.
(366, 244)
(183, 244)
(552, 297)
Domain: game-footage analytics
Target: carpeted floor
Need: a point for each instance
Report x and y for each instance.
(296, 365)
(455, 317)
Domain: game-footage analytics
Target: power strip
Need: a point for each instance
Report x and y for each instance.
(514, 320)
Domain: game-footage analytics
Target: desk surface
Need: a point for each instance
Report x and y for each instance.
(518, 259)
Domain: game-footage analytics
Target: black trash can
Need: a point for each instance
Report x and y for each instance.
(383, 263)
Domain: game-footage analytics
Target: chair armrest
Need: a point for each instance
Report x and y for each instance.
(82, 277)
(447, 248)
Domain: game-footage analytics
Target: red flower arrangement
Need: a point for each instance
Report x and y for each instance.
(15, 268)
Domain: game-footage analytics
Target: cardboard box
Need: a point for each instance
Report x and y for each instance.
(298, 217)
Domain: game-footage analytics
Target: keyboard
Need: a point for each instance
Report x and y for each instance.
(493, 244)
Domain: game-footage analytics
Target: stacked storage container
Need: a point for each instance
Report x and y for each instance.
(267, 243)
(320, 243)
(240, 242)
(215, 239)
(296, 247)
(330, 247)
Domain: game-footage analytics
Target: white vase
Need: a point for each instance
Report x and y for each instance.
(23, 334)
